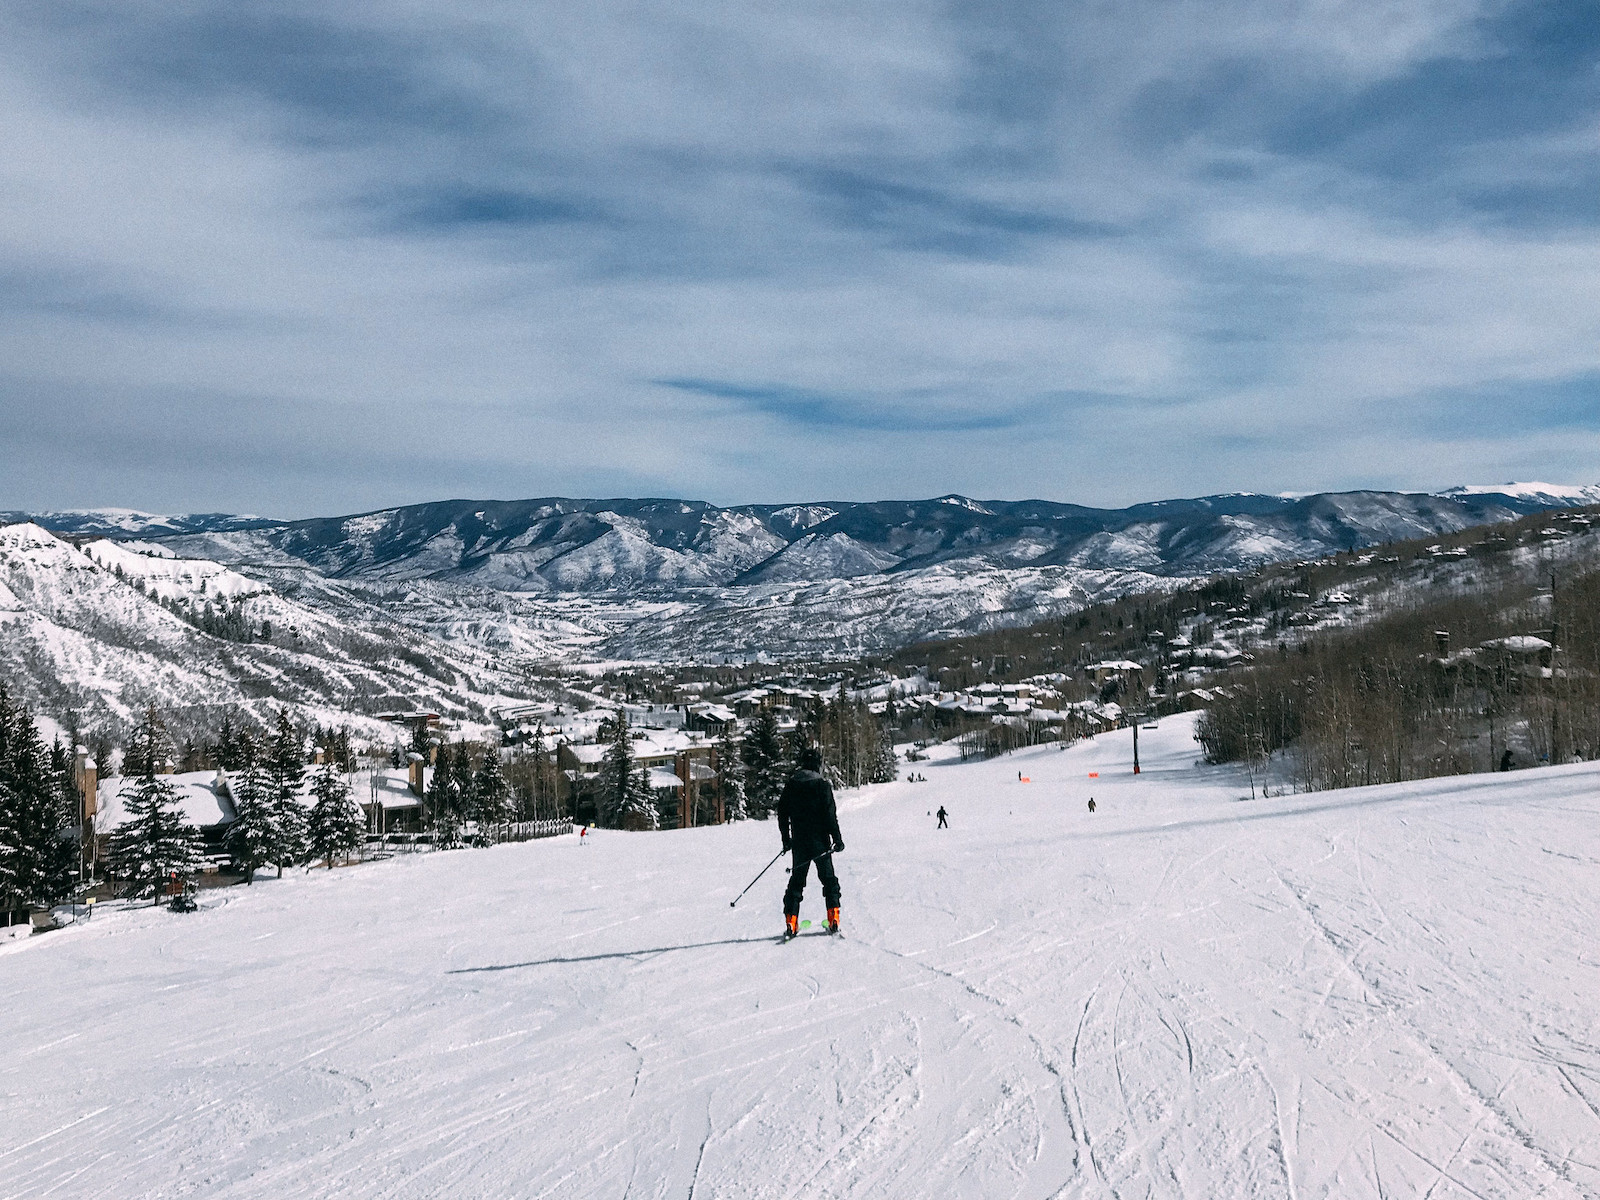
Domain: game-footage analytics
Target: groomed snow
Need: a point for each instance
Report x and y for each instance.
(1384, 992)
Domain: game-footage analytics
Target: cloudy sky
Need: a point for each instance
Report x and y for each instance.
(300, 258)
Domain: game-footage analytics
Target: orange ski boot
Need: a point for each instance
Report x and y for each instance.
(833, 920)
(791, 926)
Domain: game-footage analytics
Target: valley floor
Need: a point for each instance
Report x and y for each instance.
(1375, 993)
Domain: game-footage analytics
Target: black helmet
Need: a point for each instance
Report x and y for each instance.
(811, 759)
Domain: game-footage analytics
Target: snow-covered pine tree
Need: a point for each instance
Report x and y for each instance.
(730, 776)
(764, 764)
(286, 765)
(886, 764)
(64, 784)
(10, 850)
(463, 781)
(337, 828)
(151, 748)
(617, 773)
(155, 843)
(639, 809)
(444, 801)
(10, 835)
(491, 794)
(254, 835)
(39, 859)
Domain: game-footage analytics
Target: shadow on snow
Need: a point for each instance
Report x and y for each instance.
(581, 958)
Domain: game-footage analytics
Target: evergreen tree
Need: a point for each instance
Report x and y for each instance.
(639, 810)
(10, 850)
(765, 772)
(617, 773)
(37, 850)
(730, 776)
(44, 814)
(886, 765)
(491, 795)
(462, 782)
(227, 744)
(155, 843)
(64, 786)
(151, 748)
(286, 766)
(337, 827)
(254, 836)
(443, 801)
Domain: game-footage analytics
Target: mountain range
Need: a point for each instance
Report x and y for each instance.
(460, 605)
(561, 545)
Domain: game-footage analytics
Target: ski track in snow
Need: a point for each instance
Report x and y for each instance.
(1376, 993)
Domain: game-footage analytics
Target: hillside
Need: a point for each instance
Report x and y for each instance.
(98, 633)
(1181, 994)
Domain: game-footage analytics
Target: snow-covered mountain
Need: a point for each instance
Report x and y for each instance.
(102, 631)
(562, 545)
(129, 522)
(1539, 495)
(447, 604)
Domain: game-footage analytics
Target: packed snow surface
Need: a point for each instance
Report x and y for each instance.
(1381, 992)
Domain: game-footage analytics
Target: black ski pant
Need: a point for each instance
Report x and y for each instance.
(797, 881)
(942, 823)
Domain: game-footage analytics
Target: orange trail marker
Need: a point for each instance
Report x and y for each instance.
(1094, 774)
(1024, 779)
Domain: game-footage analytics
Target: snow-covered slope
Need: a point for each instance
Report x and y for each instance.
(1545, 495)
(869, 613)
(80, 638)
(1367, 994)
(167, 576)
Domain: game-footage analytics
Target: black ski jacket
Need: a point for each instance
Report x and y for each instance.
(807, 818)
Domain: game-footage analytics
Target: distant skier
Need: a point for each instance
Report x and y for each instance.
(943, 824)
(1091, 803)
(1506, 761)
(583, 836)
(808, 822)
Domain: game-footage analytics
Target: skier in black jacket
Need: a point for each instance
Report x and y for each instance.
(808, 822)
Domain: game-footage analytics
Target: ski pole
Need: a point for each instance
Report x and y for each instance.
(756, 880)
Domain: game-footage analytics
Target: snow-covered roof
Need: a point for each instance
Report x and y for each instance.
(1518, 644)
(387, 786)
(202, 801)
(661, 777)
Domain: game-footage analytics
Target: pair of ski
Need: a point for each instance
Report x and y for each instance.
(786, 936)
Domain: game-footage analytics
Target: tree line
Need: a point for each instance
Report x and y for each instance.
(38, 807)
(1431, 690)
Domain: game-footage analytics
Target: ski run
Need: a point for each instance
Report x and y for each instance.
(1386, 992)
